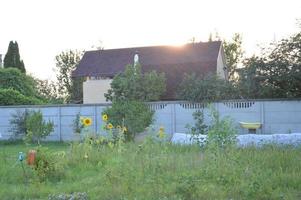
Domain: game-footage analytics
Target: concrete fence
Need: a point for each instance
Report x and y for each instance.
(275, 116)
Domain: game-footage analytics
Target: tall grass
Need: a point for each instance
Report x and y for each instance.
(159, 171)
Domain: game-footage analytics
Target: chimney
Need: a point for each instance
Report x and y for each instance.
(1, 61)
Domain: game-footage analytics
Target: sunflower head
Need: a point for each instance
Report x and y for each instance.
(109, 126)
(105, 117)
(87, 121)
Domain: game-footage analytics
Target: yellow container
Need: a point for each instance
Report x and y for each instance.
(249, 125)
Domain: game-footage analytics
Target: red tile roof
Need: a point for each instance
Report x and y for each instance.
(199, 58)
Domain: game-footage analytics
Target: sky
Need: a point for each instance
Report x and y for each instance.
(45, 28)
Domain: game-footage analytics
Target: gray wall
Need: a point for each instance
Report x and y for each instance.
(276, 116)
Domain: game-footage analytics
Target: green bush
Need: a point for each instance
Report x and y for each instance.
(36, 127)
(221, 132)
(134, 115)
(13, 97)
(205, 89)
(12, 78)
(18, 124)
(134, 85)
(49, 165)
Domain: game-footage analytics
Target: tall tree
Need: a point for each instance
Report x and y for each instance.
(234, 55)
(12, 57)
(66, 62)
(276, 73)
(132, 84)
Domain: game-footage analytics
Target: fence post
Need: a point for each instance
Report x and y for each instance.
(173, 118)
(95, 119)
(262, 116)
(59, 123)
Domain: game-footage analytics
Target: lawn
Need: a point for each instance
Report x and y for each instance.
(155, 171)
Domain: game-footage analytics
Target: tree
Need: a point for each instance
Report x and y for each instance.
(12, 57)
(66, 62)
(234, 55)
(276, 74)
(12, 78)
(132, 84)
(48, 91)
(205, 89)
(37, 128)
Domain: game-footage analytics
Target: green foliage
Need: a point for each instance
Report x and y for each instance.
(134, 115)
(205, 89)
(11, 78)
(275, 74)
(132, 84)
(36, 127)
(234, 55)
(48, 91)
(77, 125)
(221, 132)
(70, 89)
(159, 171)
(18, 124)
(13, 97)
(49, 165)
(12, 57)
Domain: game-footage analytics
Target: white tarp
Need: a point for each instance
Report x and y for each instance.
(246, 140)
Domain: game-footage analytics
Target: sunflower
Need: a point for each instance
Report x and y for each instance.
(109, 126)
(105, 117)
(161, 129)
(87, 121)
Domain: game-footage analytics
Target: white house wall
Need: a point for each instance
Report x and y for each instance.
(220, 65)
(94, 90)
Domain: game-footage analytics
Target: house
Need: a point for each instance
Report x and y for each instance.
(100, 66)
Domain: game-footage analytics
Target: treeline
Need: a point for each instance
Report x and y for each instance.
(19, 88)
(276, 73)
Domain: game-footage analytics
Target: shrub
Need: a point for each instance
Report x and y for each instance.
(36, 127)
(221, 132)
(11, 78)
(132, 84)
(134, 115)
(18, 124)
(13, 97)
(205, 89)
(48, 165)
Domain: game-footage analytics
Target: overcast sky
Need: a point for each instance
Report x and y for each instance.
(44, 28)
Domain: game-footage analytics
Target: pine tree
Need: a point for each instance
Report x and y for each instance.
(12, 57)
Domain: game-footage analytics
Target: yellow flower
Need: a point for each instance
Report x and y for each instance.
(125, 129)
(109, 126)
(118, 127)
(161, 135)
(105, 117)
(161, 129)
(87, 121)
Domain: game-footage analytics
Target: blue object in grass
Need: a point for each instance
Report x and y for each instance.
(21, 156)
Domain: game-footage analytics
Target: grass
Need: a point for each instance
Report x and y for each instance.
(158, 171)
